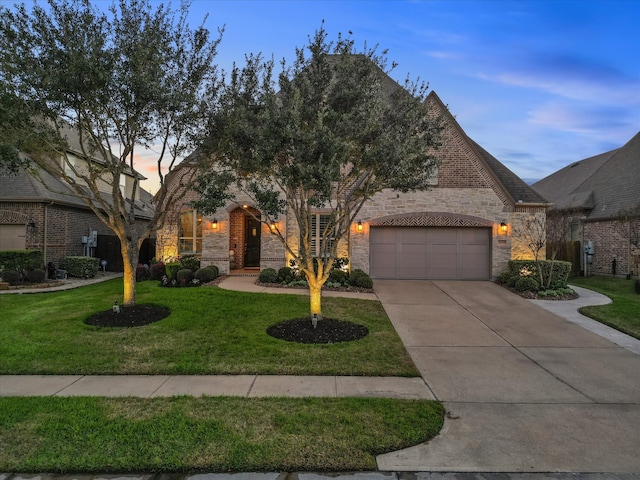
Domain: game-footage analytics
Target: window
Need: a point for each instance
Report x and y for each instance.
(319, 223)
(190, 234)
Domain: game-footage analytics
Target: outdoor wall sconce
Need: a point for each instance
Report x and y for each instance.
(272, 226)
(214, 224)
(503, 228)
(359, 226)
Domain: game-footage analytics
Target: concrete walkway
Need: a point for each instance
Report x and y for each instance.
(525, 389)
(529, 386)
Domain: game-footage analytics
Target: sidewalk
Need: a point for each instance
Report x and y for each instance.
(68, 284)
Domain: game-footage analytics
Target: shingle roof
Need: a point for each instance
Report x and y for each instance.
(602, 185)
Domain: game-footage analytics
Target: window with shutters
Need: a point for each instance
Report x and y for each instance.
(319, 222)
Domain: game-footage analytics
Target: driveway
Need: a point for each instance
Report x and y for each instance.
(525, 390)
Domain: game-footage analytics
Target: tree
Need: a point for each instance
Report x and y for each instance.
(119, 83)
(337, 131)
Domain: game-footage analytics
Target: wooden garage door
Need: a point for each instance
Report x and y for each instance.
(430, 253)
(12, 237)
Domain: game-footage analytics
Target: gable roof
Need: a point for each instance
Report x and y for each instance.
(601, 186)
(502, 179)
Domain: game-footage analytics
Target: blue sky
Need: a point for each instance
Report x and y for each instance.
(538, 83)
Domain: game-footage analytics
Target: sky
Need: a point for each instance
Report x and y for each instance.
(538, 83)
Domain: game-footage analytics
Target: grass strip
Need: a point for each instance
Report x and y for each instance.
(209, 331)
(623, 314)
(213, 434)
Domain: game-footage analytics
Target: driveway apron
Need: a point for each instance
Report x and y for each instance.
(525, 390)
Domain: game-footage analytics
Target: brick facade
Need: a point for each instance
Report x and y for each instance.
(611, 241)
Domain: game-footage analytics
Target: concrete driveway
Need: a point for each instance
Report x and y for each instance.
(525, 390)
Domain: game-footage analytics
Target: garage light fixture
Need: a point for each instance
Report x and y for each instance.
(503, 228)
(359, 226)
(214, 224)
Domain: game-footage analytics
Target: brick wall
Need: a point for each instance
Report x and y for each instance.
(611, 240)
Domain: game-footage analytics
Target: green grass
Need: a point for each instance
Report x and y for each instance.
(183, 434)
(624, 313)
(210, 331)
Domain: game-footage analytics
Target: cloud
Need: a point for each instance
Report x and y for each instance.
(595, 120)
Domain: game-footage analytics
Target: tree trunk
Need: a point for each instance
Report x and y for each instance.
(130, 256)
(315, 297)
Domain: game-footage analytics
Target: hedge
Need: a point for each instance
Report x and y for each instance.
(81, 267)
(555, 273)
(21, 260)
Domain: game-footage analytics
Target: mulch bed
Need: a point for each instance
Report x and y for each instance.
(328, 330)
(324, 288)
(133, 316)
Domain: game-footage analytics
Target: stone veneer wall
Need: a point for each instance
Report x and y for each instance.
(481, 203)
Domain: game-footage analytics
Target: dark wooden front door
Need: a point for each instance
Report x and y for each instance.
(252, 242)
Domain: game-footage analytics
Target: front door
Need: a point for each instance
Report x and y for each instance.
(251, 242)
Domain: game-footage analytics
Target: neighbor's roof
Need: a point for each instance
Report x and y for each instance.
(602, 185)
(25, 187)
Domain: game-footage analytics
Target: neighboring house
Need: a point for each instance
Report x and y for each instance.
(598, 193)
(460, 229)
(52, 219)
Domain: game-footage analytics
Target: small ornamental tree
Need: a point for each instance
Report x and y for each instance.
(331, 132)
(117, 83)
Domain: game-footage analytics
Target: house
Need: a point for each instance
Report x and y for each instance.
(601, 195)
(462, 228)
(44, 214)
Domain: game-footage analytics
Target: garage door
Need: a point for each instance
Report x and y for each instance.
(430, 253)
(12, 237)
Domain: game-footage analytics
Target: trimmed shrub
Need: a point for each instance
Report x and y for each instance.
(526, 284)
(285, 275)
(364, 281)
(214, 269)
(503, 278)
(81, 267)
(21, 260)
(205, 275)
(11, 276)
(355, 273)
(341, 263)
(37, 275)
(171, 270)
(338, 276)
(268, 275)
(157, 271)
(184, 276)
(142, 273)
(191, 262)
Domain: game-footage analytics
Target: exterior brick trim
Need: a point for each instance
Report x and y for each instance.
(430, 219)
(10, 217)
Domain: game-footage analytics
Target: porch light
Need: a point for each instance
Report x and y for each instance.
(359, 226)
(503, 228)
(272, 226)
(214, 224)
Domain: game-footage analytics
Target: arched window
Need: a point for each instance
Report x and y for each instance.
(190, 234)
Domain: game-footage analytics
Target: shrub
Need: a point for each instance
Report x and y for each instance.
(21, 260)
(156, 271)
(638, 286)
(11, 276)
(205, 275)
(526, 284)
(142, 273)
(364, 281)
(191, 262)
(214, 269)
(503, 278)
(171, 269)
(511, 281)
(81, 267)
(341, 263)
(285, 275)
(355, 273)
(184, 276)
(268, 275)
(338, 276)
(37, 275)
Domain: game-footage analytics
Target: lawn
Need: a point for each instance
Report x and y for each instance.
(184, 434)
(624, 313)
(210, 331)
